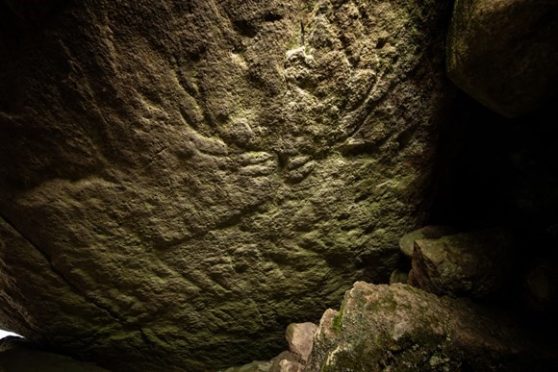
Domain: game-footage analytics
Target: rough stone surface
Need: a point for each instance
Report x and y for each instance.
(182, 179)
(474, 264)
(300, 337)
(407, 242)
(401, 328)
(17, 356)
(290, 366)
(503, 52)
(256, 366)
(287, 362)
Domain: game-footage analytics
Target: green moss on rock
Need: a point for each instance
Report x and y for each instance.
(402, 328)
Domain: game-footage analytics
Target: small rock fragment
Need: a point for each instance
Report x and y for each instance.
(300, 337)
(287, 362)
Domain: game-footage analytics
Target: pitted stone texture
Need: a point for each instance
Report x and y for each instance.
(196, 175)
(287, 362)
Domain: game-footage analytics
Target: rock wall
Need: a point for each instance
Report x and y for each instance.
(180, 179)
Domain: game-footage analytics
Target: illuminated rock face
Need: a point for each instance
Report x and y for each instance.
(181, 179)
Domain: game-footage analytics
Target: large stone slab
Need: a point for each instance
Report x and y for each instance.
(180, 180)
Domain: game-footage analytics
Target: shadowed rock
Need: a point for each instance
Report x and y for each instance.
(503, 52)
(475, 264)
(407, 242)
(32, 10)
(18, 356)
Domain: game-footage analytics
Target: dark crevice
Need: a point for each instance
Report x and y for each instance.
(272, 17)
(381, 42)
(245, 28)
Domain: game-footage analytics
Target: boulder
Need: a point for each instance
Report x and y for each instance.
(181, 179)
(474, 264)
(407, 242)
(402, 328)
(503, 53)
(287, 362)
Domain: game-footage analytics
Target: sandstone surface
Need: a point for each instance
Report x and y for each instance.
(181, 179)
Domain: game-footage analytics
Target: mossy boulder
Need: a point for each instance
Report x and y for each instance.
(503, 53)
(402, 328)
